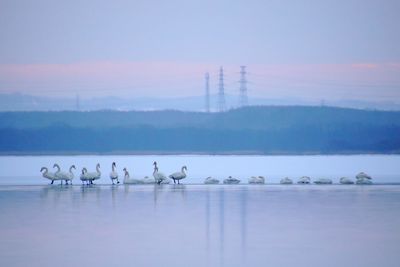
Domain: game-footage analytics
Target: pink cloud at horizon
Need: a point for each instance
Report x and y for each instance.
(143, 78)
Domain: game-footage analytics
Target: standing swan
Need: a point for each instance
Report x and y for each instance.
(179, 175)
(91, 176)
(114, 173)
(84, 177)
(49, 175)
(66, 176)
(159, 177)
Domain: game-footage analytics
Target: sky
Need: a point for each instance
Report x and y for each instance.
(292, 49)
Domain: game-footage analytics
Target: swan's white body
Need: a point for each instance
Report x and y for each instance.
(363, 175)
(231, 180)
(128, 180)
(304, 180)
(159, 177)
(48, 175)
(179, 175)
(113, 173)
(257, 180)
(91, 176)
(64, 176)
(83, 176)
(323, 181)
(286, 180)
(363, 178)
(210, 180)
(345, 180)
(148, 180)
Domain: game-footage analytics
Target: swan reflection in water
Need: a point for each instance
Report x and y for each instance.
(219, 203)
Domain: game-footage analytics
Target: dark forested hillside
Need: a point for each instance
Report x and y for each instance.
(265, 130)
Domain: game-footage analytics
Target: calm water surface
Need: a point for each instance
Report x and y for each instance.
(200, 225)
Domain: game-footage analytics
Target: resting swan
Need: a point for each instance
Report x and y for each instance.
(231, 180)
(210, 180)
(323, 181)
(345, 180)
(66, 176)
(48, 175)
(128, 180)
(257, 180)
(114, 173)
(148, 180)
(179, 175)
(159, 177)
(286, 180)
(304, 180)
(363, 178)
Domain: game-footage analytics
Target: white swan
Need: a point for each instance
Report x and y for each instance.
(363, 178)
(91, 176)
(48, 175)
(345, 180)
(257, 180)
(64, 176)
(114, 173)
(159, 177)
(83, 176)
(304, 180)
(148, 180)
(179, 175)
(128, 180)
(231, 180)
(323, 181)
(286, 180)
(210, 180)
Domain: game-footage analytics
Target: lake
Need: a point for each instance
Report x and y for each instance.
(202, 225)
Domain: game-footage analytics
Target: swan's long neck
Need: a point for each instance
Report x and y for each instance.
(113, 167)
(183, 170)
(155, 170)
(70, 169)
(45, 170)
(97, 168)
(58, 167)
(126, 175)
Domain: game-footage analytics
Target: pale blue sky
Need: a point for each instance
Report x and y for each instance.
(50, 40)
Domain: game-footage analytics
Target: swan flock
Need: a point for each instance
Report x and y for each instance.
(88, 178)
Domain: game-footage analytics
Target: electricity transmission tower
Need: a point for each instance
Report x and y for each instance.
(221, 91)
(243, 100)
(207, 77)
